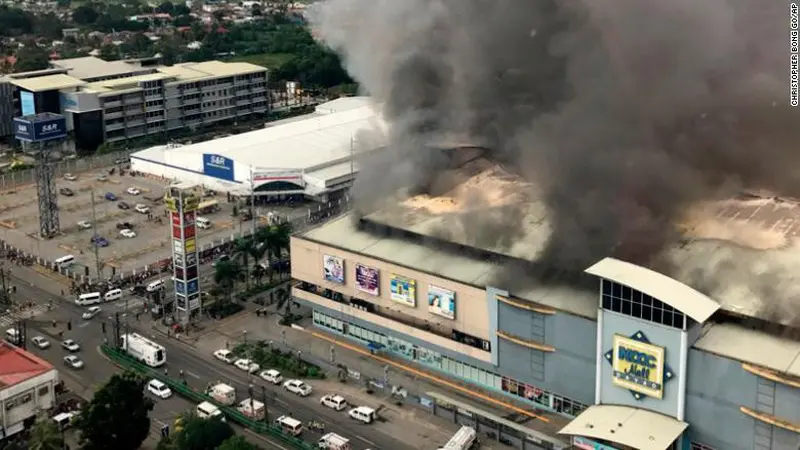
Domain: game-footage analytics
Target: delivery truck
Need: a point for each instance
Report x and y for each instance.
(143, 349)
(222, 393)
(251, 408)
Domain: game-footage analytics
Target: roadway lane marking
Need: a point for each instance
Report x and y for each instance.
(247, 430)
(191, 374)
(83, 325)
(367, 441)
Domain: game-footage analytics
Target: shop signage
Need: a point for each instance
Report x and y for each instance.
(639, 366)
(218, 166)
(588, 444)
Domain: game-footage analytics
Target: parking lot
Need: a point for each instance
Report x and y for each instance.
(19, 221)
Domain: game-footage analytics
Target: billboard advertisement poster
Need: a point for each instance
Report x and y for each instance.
(180, 287)
(442, 302)
(40, 129)
(172, 205)
(178, 260)
(191, 245)
(177, 246)
(188, 218)
(192, 287)
(403, 290)
(367, 279)
(191, 272)
(27, 103)
(23, 130)
(218, 167)
(176, 219)
(180, 302)
(176, 232)
(190, 205)
(188, 232)
(191, 259)
(179, 273)
(194, 301)
(333, 268)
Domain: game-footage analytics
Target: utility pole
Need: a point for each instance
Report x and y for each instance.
(264, 401)
(97, 262)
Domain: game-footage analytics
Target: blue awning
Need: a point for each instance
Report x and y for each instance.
(375, 346)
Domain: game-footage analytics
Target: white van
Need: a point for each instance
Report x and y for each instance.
(362, 414)
(155, 286)
(203, 223)
(12, 336)
(64, 420)
(289, 425)
(92, 298)
(464, 439)
(64, 261)
(207, 410)
(114, 294)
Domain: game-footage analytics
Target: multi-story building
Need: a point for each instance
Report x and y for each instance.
(27, 387)
(9, 96)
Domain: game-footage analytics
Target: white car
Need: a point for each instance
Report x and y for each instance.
(334, 401)
(142, 208)
(297, 387)
(101, 177)
(133, 191)
(127, 233)
(246, 365)
(271, 376)
(70, 177)
(91, 312)
(73, 362)
(225, 356)
(70, 345)
(159, 389)
(84, 224)
(41, 342)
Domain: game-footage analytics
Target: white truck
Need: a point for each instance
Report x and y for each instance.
(333, 441)
(222, 393)
(251, 408)
(465, 438)
(143, 349)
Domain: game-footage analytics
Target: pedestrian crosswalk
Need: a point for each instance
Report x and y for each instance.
(9, 318)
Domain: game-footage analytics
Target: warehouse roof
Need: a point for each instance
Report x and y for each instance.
(209, 69)
(90, 67)
(47, 83)
(672, 292)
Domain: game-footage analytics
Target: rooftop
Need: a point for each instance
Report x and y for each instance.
(90, 67)
(121, 84)
(47, 83)
(210, 69)
(17, 365)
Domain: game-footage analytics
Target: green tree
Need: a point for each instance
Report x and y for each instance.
(242, 251)
(14, 21)
(48, 25)
(226, 274)
(182, 10)
(64, 3)
(45, 435)
(202, 434)
(166, 7)
(30, 58)
(237, 443)
(141, 44)
(109, 52)
(117, 416)
(183, 20)
(85, 15)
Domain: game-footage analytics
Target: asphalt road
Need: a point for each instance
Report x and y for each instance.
(199, 370)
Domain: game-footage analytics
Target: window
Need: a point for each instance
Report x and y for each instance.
(44, 390)
(699, 446)
(630, 302)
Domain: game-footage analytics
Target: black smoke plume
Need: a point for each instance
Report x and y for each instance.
(624, 112)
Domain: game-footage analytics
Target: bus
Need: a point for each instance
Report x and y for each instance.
(143, 349)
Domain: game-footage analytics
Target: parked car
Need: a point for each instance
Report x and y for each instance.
(70, 345)
(133, 190)
(224, 355)
(142, 208)
(127, 233)
(100, 241)
(159, 389)
(40, 342)
(297, 387)
(70, 177)
(67, 192)
(91, 312)
(123, 205)
(84, 224)
(73, 362)
(271, 376)
(101, 177)
(246, 365)
(334, 401)
(110, 197)
(124, 226)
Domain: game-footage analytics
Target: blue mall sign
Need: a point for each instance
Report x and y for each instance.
(40, 128)
(218, 166)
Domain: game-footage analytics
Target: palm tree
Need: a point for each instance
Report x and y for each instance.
(276, 240)
(242, 249)
(226, 274)
(257, 252)
(45, 435)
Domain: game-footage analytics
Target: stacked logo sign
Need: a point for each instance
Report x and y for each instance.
(183, 210)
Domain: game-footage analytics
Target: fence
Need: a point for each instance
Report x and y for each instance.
(23, 177)
(126, 361)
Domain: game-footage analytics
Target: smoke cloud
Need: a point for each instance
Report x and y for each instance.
(623, 112)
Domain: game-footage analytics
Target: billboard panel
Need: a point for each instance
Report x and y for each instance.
(367, 279)
(188, 232)
(79, 102)
(178, 260)
(218, 166)
(176, 218)
(176, 232)
(23, 130)
(177, 246)
(442, 302)
(333, 268)
(191, 259)
(27, 103)
(638, 366)
(36, 129)
(192, 287)
(180, 287)
(403, 290)
(191, 245)
(180, 302)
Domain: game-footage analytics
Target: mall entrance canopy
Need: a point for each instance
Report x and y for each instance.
(631, 427)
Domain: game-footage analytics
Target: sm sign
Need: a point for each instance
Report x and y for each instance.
(638, 366)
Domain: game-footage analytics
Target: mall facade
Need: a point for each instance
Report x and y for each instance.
(643, 362)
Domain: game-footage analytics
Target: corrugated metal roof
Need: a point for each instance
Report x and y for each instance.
(48, 83)
(668, 290)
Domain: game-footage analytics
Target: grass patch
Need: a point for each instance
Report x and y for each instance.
(268, 60)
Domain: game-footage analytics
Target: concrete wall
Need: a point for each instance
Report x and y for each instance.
(662, 336)
(470, 311)
(787, 404)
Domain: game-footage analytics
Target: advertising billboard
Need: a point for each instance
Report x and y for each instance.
(177, 246)
(176, 232)
(178, 260)
(188, 215)
(638, 366)
(403, 290)
(191, 245)
(367, 279)
(188, 232)
(218, 166)
(191, 259)
(27, 103)
(79, 102)
(38, 129)
(442, 302)
(333, 268)
(180, 287)
(192, 287)
(176, 218)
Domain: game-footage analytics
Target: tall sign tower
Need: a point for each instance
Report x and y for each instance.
(182, 203)
(40, 134)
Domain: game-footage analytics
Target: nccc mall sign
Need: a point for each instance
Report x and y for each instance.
(639, 366)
